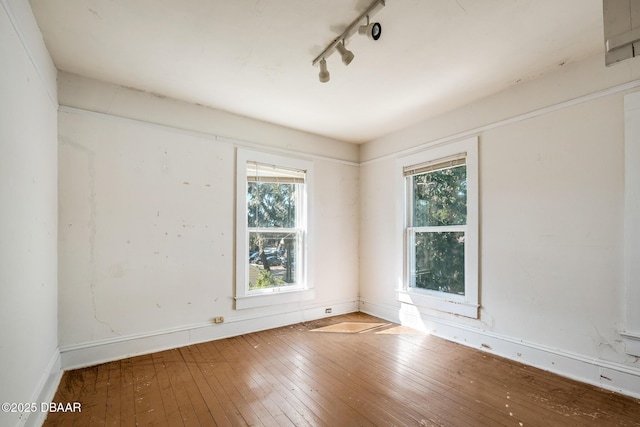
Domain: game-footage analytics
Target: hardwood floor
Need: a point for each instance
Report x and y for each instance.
(293, 376)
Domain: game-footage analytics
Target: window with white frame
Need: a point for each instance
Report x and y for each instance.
(272, 228)
(441, 228)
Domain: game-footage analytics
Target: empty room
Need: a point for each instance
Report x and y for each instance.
(319, 212)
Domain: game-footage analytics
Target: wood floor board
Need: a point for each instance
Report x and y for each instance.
(148, 400)
(253, 364)
(112, 407)
(369, 366)
(487, 391)
(373, 397)
(305, 389)
(167, 394)
(235, 400)
(291, 376)
(218, 384)
(531, 391)
(495, 374)
(260, 372)
(127, 394)
(334, 383)
(263, 409)
(459, 391)
(97, 383)
(377, 377)
(188, 372)
(90, 398)
(94, 398)
(182, 385)
(251, 385)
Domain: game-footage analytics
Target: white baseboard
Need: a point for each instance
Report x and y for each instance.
(45, 390)
(96, 352)
(601, 373)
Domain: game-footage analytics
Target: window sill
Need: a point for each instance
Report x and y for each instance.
(461, 308)
(273, 298)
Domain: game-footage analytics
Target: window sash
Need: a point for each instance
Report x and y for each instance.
(298, 208)
(412, 268)
(296, 258)
(445, 163)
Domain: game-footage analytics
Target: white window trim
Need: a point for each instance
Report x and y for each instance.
(282, 295)
(631, 333)
(468, 304)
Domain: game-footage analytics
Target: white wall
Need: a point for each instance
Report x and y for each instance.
(29, 359)
(147, 222)
(551, 223)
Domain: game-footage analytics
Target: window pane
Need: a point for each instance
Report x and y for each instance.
(271, 205)
(272, 259)
(440, 197)
(439, 261)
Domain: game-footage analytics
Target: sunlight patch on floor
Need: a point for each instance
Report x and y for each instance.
(350, 327)
(400, 330)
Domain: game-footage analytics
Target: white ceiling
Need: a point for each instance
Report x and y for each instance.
(253, 57)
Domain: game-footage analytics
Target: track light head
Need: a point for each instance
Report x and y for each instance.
(347, 55)
(372, 30)
(324, 73)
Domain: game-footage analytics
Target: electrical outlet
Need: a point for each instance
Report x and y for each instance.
(327, 310)
(219, 319)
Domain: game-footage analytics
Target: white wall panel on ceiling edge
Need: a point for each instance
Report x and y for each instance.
(631, 333)
(572, 84)
(82, 93)
(30, 359)
(26, 28)
(601, 373)
(101, 351)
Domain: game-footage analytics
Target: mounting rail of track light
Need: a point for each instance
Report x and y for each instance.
(372, 30)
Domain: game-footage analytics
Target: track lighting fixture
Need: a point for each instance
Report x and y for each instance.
(324, 73)
(347, 55)
(371, 30)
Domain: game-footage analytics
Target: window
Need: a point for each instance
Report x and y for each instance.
(272, 229)
(441, 228)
